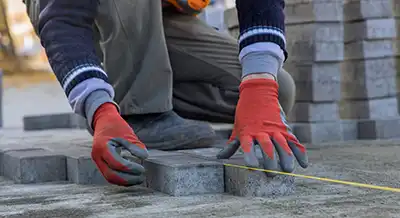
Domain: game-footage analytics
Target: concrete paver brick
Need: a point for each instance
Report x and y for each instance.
(297, 12)
(350, 129)
(34, 166)
(208, 153)
(379, 129)
(315, 32)
(306, 52)
(371, 78)
(247, 183)
(318, 132)
(314, 112)
(54, 121)
(360, 50)
(81, 169)
(370, 9)
(242, 182)
(382, 28)
(183, 175)
(317, 82)
(380, 108)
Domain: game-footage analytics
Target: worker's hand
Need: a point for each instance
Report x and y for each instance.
(260, 120)
(111, 134)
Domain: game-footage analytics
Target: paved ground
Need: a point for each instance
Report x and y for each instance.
(374, 162)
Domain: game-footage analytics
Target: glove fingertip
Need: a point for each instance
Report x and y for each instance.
(136, 149)
(287, 166)
(303, 163)
(300, 154)
(251, 160)
(229, 150)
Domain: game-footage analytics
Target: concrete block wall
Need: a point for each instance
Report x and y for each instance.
(343, 56)
(369, 89)
(314, 31)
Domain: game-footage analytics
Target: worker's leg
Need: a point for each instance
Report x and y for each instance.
(137, 62)
(207, 71)
(135, 55)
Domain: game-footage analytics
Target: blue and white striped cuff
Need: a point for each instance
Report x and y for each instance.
(80, 82)
(262, 50)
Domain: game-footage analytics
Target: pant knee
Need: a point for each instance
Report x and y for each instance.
(287, 91)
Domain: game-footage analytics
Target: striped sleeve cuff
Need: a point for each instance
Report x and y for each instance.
(262, 43)
(81, 82)
(262, 50)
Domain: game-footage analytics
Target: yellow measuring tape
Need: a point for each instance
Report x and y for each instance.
(384, 188)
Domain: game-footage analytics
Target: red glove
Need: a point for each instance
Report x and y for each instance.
(111, 134)
(260, 120)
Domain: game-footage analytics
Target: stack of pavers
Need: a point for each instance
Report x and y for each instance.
(314, 33)
(369, 75)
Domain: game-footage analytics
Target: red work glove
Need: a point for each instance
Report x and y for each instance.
(260, 120)
(111, 134)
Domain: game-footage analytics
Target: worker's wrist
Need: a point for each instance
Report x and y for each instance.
(93, 102)
(261, 58)
(260, 75)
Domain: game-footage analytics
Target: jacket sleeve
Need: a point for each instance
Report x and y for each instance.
(262, 35)
(65, 28)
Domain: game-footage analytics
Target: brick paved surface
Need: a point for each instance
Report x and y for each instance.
(372, 162)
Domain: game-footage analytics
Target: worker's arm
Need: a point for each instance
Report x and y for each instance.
(259, 117)
(65, 30)
(262, 40)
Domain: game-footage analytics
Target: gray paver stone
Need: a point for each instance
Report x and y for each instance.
(380, 108)
(360, 50)
(54, 121)
(379, 129)
(183, 175)
(12, 147)
(208, 153)
(317, 82)
(248, 183)
(314, 112)
(313, 11)
(350, 129)
(310, 52)
(315, 32)
(367, 9)
(371, 78)
(242, 182)
(318, 132)
(34, 166)
(81, 169)
(384, 28)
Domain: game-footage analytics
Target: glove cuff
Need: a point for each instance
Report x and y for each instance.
(95, 101)
(268, 85)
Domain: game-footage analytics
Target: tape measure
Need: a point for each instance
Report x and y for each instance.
(337, 181)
